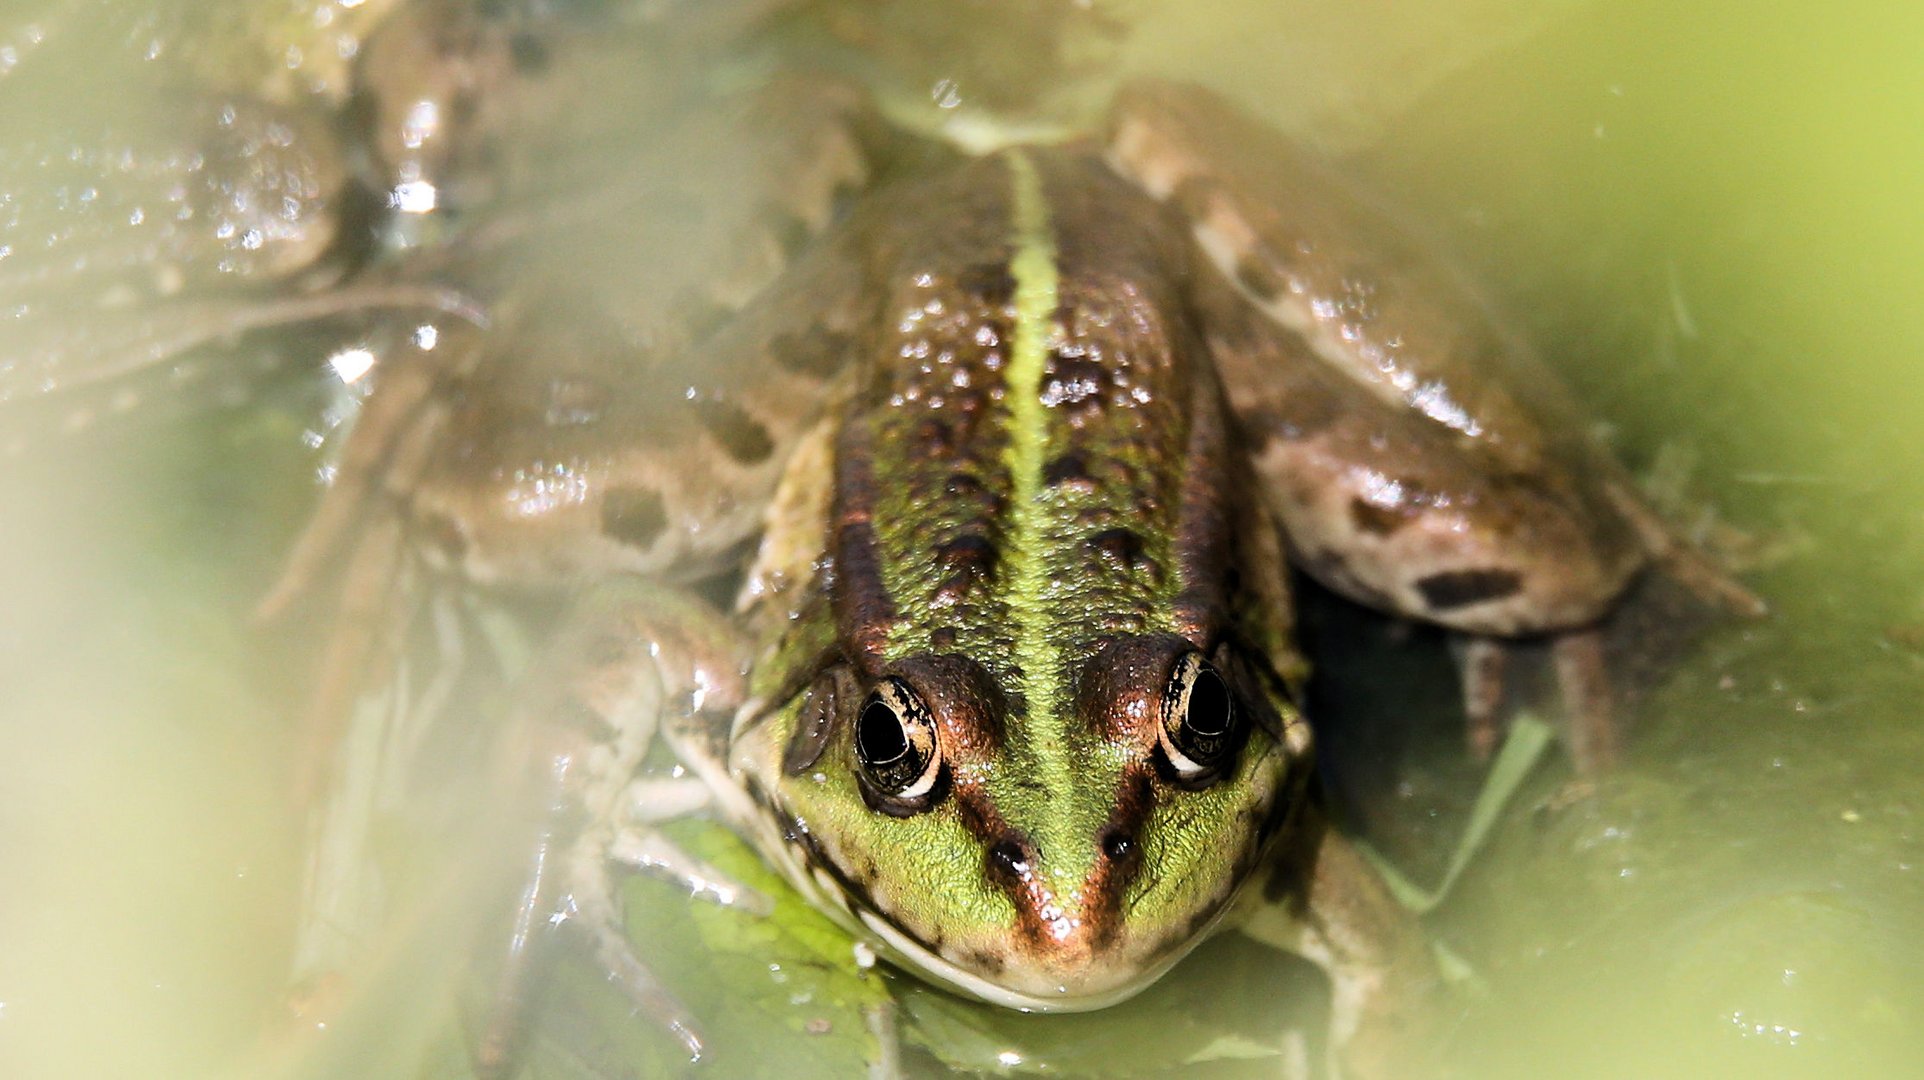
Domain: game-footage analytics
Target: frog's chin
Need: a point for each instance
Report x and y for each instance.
(1020, 986)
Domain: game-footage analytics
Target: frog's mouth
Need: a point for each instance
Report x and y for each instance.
(1075, 968)
(1020, 978)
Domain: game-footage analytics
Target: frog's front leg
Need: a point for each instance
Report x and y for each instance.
(1324, 902)
(630, 658)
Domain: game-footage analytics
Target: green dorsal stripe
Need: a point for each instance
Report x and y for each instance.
(1037, 651)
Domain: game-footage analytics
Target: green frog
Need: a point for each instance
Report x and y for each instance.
(1010, 460)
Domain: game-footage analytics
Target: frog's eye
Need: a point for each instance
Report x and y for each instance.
(1198, 719)
(896, 746)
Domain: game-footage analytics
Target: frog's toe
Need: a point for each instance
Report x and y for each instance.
(1589, 699)
(1482, 664)
(645, 991)
(1584, 686)
(884, 1024)
(651, 799)
(649, 852)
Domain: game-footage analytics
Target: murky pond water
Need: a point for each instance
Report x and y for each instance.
(1706, 217)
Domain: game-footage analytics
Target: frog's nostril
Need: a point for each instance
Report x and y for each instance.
(1117, 844)
(1010, 859)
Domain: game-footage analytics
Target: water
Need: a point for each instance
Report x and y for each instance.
(1705, 216)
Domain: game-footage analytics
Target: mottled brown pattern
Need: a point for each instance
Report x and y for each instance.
(633, 516)
(1068, 470)
(1122, 391)
(1376, 520)
(1123, 545)
(971, 560)
(816, 352)
(1462, 588)
(990, 284)
(1195, 196)
(933, 401)
(738, 434)
(864, 610)
(1254, 273)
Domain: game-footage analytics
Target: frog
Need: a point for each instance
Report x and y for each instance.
(202, 201)
(1010, 458)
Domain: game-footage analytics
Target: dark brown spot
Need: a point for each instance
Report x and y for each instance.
(1068, 469)
(990, 283)
(461, 110)
(934, 438)
(942, 639)
(1009, 862)
(987, 963)
(741, 436)
(816, 352)
(1254, 274)
(633, 516)
(1122, 545)
(529, 54)
(971, 552)
(1461, 588)
(1195, 196)
(1375, 520)
(791, 233)
(963, 486)
(970, 558)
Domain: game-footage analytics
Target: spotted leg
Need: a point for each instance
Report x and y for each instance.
(1421, 458)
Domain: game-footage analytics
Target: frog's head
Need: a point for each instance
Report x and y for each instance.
(1048, 863)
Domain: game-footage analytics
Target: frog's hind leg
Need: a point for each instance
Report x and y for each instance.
(1685, 562)
(1397, 513)
(1582, 675)
(360, 523)
(1482, 664)
(1421, 459)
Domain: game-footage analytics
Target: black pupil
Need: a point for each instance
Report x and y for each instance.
(1208, 705)
(880, 734)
